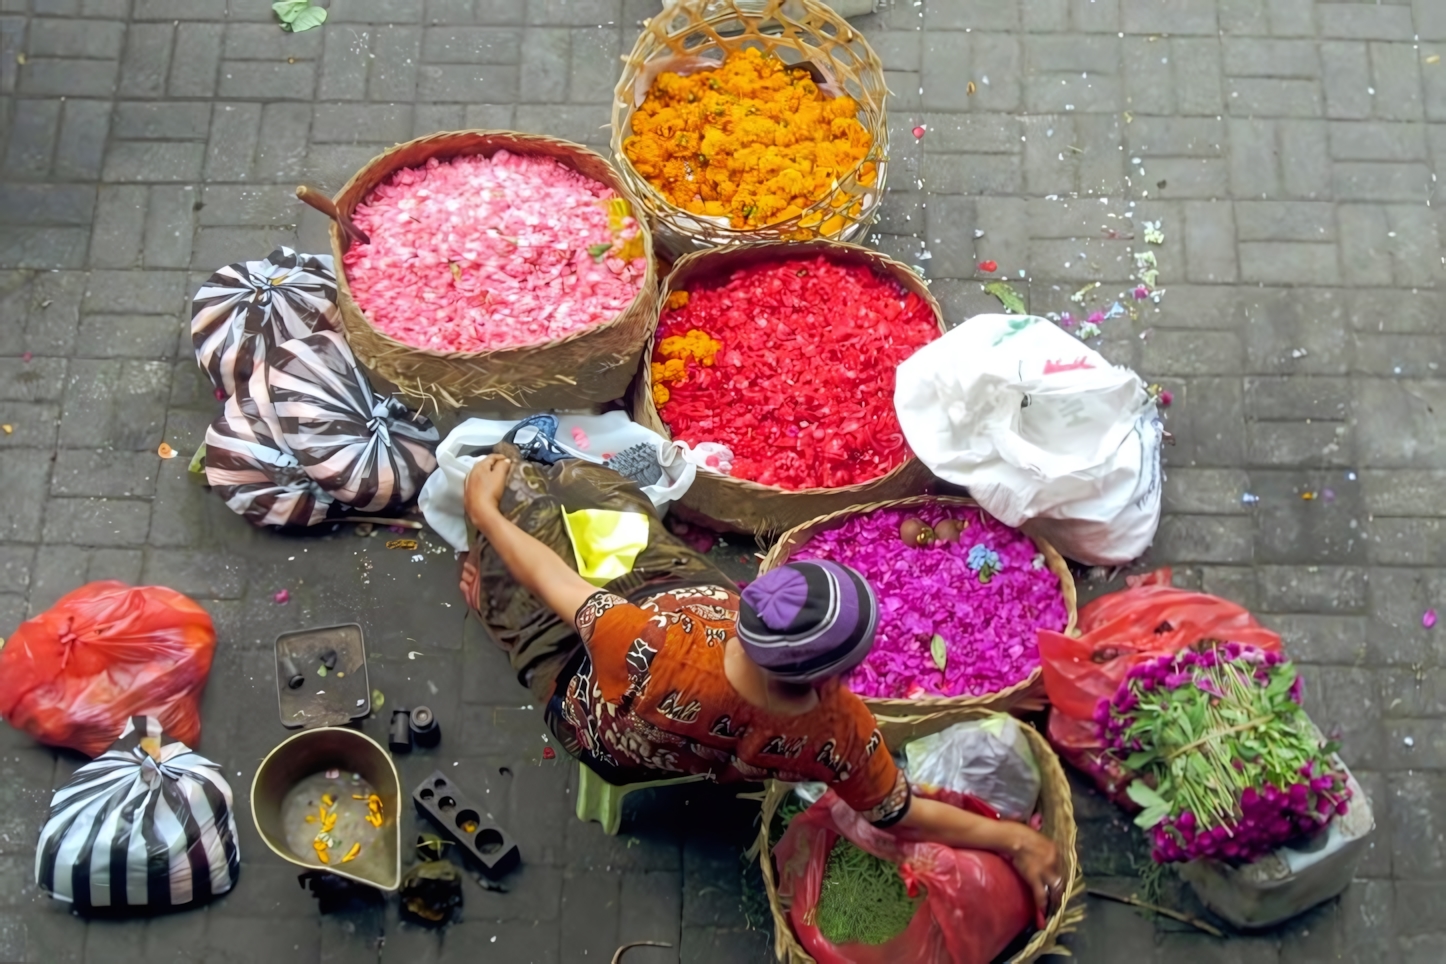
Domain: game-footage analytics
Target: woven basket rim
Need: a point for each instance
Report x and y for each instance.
(1054, 787)
(1027, 689)
(624, 108)
(518, 142)
(845, 250)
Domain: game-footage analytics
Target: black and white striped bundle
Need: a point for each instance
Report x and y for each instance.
(149, 823)
(254, 472)
(366, 451)
(305, 439)
(247, 308)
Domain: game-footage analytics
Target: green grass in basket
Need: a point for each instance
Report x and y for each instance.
(863, 900)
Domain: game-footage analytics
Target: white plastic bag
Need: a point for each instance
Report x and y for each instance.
(592, 437)
(1041, 429)
(989, 759)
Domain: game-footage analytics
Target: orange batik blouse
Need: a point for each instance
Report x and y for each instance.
(649, 698)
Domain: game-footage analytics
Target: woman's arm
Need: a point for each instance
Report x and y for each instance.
(1034, 856)
(540, 570)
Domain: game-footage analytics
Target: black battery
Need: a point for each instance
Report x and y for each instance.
(399, 734)
(425, 731)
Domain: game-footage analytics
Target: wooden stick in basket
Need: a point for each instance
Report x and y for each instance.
(352, 233)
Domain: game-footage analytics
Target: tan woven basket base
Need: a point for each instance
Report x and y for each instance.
(1056, 806)
(738, 505)
(1027, 696)
(584, 369)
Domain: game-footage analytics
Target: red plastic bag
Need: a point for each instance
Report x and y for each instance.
(974, 905)
(1117, 632)
(74, 675)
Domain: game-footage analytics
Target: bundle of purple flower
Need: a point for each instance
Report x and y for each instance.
(1228, 765)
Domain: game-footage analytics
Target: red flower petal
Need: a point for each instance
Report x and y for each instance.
(988, 266)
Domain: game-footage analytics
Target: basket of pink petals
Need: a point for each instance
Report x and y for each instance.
(961, 597)
(493, 267)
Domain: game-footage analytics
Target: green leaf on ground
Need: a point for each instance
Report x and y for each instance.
(1012, 300)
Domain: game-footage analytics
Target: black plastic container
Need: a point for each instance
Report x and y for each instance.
(461, 820)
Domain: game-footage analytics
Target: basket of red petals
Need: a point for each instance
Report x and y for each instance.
(784, 355)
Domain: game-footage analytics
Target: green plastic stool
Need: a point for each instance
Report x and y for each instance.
(602, 801)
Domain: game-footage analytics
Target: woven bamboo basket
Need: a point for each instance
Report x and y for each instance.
(1026, 696)
(586, 368)
(1056, 807)
(739, 505)
(806, 33)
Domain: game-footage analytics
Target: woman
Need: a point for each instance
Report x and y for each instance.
(689, 677)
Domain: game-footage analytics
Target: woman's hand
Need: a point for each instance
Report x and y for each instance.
(1036, 859)
(484, 487)
(1033, 855)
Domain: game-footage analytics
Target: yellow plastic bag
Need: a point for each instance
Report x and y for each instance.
(605, 542)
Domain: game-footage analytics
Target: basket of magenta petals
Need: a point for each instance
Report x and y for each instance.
(1227, 765)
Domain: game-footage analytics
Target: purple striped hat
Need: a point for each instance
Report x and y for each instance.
(808, 621)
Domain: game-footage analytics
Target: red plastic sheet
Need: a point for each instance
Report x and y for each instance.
(974, 905)
(1117, 632)
(74, 675)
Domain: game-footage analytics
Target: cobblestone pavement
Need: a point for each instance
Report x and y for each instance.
(1286, 146)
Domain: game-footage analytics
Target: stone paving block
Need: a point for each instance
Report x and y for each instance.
(1329, 527)
(49, 248)
(1380, 182)
(429, 118)
(1252, 97)
(262, 80)
(154, 161)
(129, 336)
(349, 123)
(395, 54)
(1244, 18)
(1177, 136)
(103, 473)
(543, 72)
(1169, 16)
(344, 65)
(235, 129)
(1306, 171)
(90, 39)
(223, 204)
(1149, 79)
(1280, 397)
(235, 940)
(1254, 57)
(471, 45)
(457, 83)
(596, 52)
(1285, 221)
(32, 426)
(115, 404)
(1347, 79)
(1291, 18)
(1402, 492)
(1365, 247)
(1322, 640)
(33, 129)
(42, 313)
(1205, 491)
(81, 142)
(1415, 245)
(23, 476)
(1316, 589)
(196, 61)
(139, 292)
(1210, 241)
(1205, 538)
(1396, 73)
(1318, 444)
(69, 77)
(972, 173)
(1289, 333)
(1366, 21)
(97, 522)
(1398, 541)
(579, 13)
(117, 231)
(583, 123)
(1171, 352)
(1400, 423)
(163, 121)
(590, 906)
(147, 59)
(38, 380)
(1289, 262)
(169, 226)
(281, 145)
(1254, 153)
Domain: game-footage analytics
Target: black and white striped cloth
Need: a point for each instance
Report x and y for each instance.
(256, 474)
(149, 823)
(365, 450)
(305, 439)
(247, 308)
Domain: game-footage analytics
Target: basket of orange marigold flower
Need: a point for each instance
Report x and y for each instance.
(751, 120)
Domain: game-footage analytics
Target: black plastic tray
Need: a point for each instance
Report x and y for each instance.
(344, 694)
(441, 801)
